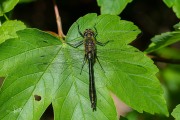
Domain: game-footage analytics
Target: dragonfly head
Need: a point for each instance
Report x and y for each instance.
(88, 33)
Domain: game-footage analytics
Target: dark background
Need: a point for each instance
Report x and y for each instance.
(151, 16)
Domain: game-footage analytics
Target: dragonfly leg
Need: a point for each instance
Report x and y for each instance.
(84, 61)
(76, 44)
(96, 33)
(99, 63)
(80, 42)
(80, 31)
(101, 44)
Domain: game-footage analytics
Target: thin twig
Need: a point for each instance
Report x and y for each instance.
(6, 17)
(58, 20)
(164, 60)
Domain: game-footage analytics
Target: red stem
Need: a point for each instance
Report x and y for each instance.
(58, 20)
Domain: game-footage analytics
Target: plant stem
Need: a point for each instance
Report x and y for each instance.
(58, 21)
(6, 17)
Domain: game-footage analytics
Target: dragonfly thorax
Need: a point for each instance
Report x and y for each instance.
(88, 33)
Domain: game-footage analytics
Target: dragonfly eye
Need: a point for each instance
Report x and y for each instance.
(88, 33)
(85, 34)
(92, 34)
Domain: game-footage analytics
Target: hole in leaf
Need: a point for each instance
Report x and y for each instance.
(48, 114)
(37, 97)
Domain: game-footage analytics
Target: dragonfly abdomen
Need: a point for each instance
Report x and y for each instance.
(92, 89)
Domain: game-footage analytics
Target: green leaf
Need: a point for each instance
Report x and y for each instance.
(39, 65)
(9, 28)
(176, 112)
(163, 40)
(113, 7)
(169, 53)
(26, 1)
(7, 5)
(108, 27)
(175, 4)
(169, 3)
(171, 76)
(177, 26)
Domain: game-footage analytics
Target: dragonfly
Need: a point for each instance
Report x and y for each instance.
(64, 62)
(90, 49)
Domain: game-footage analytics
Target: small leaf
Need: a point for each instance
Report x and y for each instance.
(176, 112)
(9, 28)
(113, 7)
(169, 3)
(7, 5)
(175, 4)
(163, 40)
(177, 26)
(26, 1)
